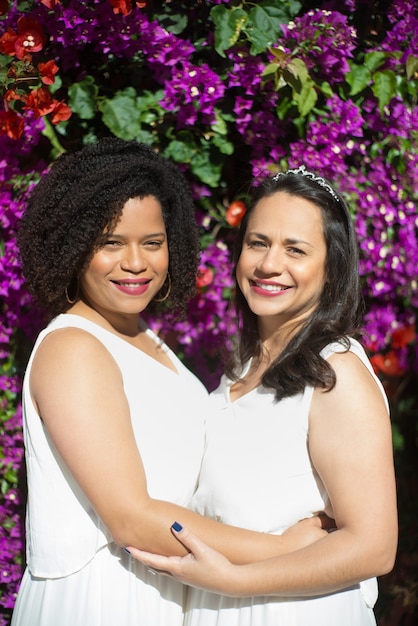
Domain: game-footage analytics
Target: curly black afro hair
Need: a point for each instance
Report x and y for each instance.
(81, 197)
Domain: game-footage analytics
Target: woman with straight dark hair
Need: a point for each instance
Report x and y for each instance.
(299, 424)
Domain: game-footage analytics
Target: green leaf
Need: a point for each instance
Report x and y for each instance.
(294, 7)
(121, 115)
(4, 69)
(273, 71)
(177, 23)
(296, 74)
(5, 59)
(373, 60)
(306, 98)
(49, 131)
(149, 109)
(258, 39)
(265, 19)
(326, 89)
(205, 169)
(56, 85)
(276, 13)
(181, 150)
(145, 136)
(270, 70)
(384, 87)
(284, 106)
(3, 74)
(220, 126)
(279, 54)
(263, 28)
(411, 66)
(359, 77)
(224, 146)
(10, 476)
(82, 98)
(228, 26)
(126, 113)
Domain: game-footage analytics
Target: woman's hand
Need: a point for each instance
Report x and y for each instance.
(208, 569)
(309, 530)
(202, 567)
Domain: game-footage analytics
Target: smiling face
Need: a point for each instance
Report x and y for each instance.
(281, 269)
(131, 265)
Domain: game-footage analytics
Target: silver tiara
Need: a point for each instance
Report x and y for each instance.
(317, 179)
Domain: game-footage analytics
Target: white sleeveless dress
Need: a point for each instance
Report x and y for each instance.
(76, 575)
(256, 473)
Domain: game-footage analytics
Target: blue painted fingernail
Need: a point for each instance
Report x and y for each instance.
(126, 550)
(177, 527)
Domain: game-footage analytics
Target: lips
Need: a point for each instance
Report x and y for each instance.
(132, 287)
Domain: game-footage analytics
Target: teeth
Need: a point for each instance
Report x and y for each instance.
(270, 287)
(131, 284)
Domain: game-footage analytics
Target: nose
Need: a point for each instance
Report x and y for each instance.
(272, 261)
(133, 260)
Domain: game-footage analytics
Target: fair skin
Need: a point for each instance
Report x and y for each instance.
(281, 272)
(78, 391)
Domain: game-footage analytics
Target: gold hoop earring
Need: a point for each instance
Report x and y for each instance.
(168, 291)
(67, 297)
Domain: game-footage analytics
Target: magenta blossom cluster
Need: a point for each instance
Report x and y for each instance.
(17, 315)
(325, 41)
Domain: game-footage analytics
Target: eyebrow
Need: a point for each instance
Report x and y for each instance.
(288, 241)
(297, 241)
(148, 235)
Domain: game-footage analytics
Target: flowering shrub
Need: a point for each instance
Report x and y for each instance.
(228, 90)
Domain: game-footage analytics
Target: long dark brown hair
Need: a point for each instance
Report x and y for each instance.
(340, 308)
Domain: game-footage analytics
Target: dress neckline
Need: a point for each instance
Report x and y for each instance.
(148, 331)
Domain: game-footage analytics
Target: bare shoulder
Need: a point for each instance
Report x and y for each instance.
(351, 369)
(348, 364)
(356, 392)
(69, 343)
(70, 354)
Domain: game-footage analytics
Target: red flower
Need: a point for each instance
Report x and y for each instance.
(11, 95)
(204, 277)
(121, 6)
(401, 337)
(387, 364)
(50, 4)
(7, 42)
(30, 38)
(47, 71)
(235, 213)
(40, 101)
(61, 112)
(11, 124)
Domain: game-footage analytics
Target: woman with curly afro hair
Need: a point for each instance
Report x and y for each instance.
(113, 422)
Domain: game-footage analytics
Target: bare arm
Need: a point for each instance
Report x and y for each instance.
(351, 447)
(78, 390)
